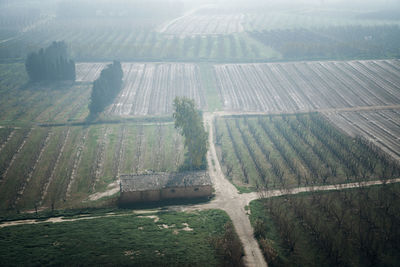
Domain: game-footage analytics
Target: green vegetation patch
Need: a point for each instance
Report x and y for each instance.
(161, 239)
(45, 102)
(209, 82)
(355, 227)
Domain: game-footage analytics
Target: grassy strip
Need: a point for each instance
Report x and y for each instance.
(210, 85)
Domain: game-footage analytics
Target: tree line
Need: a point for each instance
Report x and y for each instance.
(50, 64)
(106, 88)
(345, 42)
(357, 227)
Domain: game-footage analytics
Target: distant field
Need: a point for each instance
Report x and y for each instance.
(302, 86)
(96, 43)
(216, 34)
(357, 227)
(308, 19)
(335, 42)
(201, 24)
(156, 239)
(295, 150)
(62, 166)
(380, 127)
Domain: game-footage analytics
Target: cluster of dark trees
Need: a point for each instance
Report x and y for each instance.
(347, 42)
(188, 121)
(357, 227)
(229, 247)
(106, 88)
(50, 64)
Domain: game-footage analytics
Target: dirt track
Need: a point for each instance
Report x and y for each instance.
(228, 199)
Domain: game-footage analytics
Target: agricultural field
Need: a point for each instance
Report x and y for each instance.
(60, 167)
(356, 227)
(279, 151)
(199, 24)
(308, 19)
(381, 127)
(23, 103)
(149, 89)
(137, 44)
(350, 42)
(132, 38)
(161, 239)
(304, 86)
(25, 19)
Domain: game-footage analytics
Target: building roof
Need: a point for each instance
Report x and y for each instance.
(156, 181)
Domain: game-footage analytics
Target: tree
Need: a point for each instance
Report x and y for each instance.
(106, 88)
(189, 122)
(50, 64)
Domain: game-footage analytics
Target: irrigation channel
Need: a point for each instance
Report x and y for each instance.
(226, 198)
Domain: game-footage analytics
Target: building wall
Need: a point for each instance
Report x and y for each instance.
(186, 192)
(165, 194)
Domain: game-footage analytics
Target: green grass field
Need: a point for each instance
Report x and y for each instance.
(24, 103)
(158, 239)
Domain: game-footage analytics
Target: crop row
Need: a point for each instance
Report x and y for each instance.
(308, 85)
(380, 127)
(295, 150)
(204, 25)
(149, 89)
(12, 21)
(356, 227)
(21, 101)
(289, 20)
(124, 43)
(61, 166)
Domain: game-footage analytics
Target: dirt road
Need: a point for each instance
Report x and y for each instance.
(228, 199)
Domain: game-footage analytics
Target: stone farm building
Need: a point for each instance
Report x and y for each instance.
(164, 186)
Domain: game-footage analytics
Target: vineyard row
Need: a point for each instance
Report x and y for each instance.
(380, 127)
(296, 150)
(62, 166)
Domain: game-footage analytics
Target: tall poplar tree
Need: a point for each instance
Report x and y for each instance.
(189, 122)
